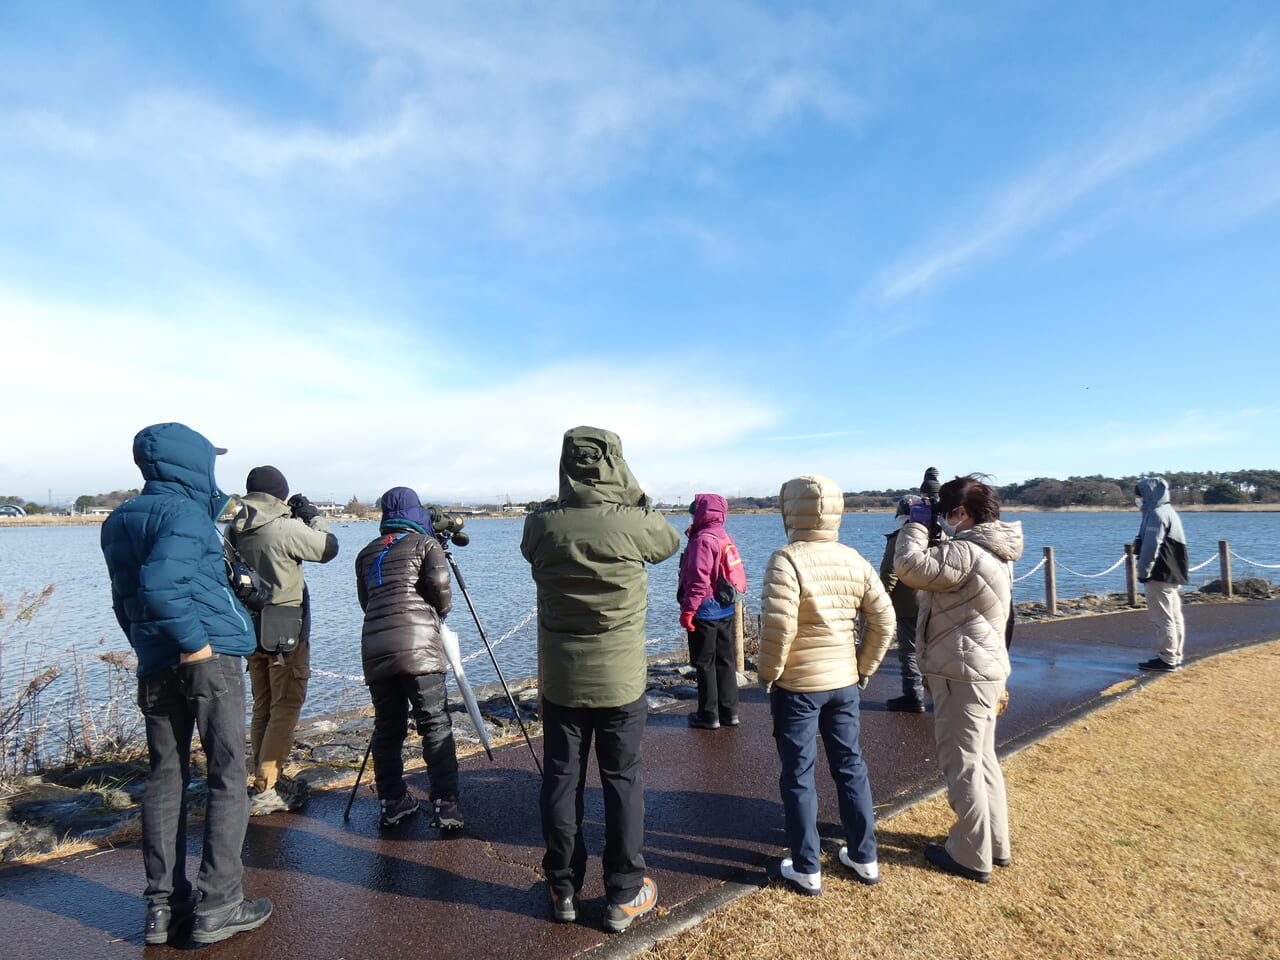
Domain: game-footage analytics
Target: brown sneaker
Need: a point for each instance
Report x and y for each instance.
(620, 915)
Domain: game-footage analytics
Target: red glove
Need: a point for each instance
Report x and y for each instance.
(686, 620)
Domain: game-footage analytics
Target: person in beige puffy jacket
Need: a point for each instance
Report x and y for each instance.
(961, 643)
(815, 588)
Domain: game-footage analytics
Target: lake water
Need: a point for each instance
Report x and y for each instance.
(79, 616)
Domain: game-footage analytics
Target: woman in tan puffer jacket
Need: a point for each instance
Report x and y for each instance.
(967, 584)
(814, 589)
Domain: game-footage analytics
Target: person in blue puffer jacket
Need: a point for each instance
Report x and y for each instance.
(170, 594)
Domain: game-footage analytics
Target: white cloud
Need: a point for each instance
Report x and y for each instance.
(339, 418)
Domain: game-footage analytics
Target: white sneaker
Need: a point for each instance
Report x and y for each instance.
(807, 884)
(867, 873)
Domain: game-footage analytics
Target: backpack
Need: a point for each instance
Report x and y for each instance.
(731, 579)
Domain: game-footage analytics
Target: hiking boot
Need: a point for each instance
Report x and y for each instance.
(620, 915)
(905, 704)
(937, 854)
(564, 909)
(220, 924)
(268, 801)
(805, 884)
(448, 814)
(698, 723)
(166, 919)
(1155, 663)
(393, 811)
(868, 873)
(295, 793)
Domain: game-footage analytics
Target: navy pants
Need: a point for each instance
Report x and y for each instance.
(797, 720)
(205, 695)
(566, 749)
(423, 697)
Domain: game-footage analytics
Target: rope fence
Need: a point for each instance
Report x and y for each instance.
(1129, 561)
(1254, 563)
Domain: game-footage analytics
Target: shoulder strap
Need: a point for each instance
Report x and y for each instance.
(387, 544)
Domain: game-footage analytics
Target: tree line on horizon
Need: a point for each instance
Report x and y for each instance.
(1185, 487)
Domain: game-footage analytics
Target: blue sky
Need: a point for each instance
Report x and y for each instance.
(403, 242)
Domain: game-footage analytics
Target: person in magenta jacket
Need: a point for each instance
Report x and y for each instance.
(708, 622)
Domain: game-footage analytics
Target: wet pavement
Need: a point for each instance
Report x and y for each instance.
(349, 890)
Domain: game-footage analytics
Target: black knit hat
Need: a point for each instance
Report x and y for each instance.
(267, 480)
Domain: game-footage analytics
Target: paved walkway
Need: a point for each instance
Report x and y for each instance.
(347, 890)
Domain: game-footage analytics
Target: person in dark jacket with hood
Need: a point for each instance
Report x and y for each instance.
(402, 582)
(274, 537)
(708, 621)
(1161, 547)
(588, 552)
(171, 597)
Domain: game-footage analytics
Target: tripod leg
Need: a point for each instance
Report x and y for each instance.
(346, 814)
(515, 708)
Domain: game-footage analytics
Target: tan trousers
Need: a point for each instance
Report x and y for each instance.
(1164, 600)
(964, 728)
(278, 694)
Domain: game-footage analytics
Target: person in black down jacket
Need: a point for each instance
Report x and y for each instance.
(402, 581)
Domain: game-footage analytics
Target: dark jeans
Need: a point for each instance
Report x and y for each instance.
(394, 700)
(912, 682)
(797, 719)
(566, 747)
(711, 650)
(207, 695)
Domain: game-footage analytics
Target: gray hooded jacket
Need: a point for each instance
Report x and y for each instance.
(1161, 545)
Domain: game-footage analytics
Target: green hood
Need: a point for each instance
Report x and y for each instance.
(593, 471)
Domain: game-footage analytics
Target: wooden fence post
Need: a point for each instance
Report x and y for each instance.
(1050, 583)
(1131, 574)
(1224, 568)
(738, 642)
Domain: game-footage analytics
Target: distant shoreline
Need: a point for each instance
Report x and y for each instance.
(40, 520)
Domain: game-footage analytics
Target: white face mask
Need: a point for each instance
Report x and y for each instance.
(1137, 502)
(947, 526)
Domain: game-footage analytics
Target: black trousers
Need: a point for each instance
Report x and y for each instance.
(566, 746)
(715, 662)
(394, 701)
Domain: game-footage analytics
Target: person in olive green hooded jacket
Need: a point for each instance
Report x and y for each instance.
(588, 552)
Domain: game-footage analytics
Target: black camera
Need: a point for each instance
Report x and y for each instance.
(247, 585)
(448, 527)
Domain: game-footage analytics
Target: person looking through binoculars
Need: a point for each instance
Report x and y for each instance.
(275, 533)
(588, 551)
(966, 584)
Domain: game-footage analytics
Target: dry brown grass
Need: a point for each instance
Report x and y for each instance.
(1149, 829)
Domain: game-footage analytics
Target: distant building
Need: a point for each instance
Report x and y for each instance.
(329, 508)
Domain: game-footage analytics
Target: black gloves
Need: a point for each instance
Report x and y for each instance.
(303, 508)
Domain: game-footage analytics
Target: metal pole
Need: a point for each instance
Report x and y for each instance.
(352, 799)
(1224, 568)
(1050, 583)
(515, 708)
